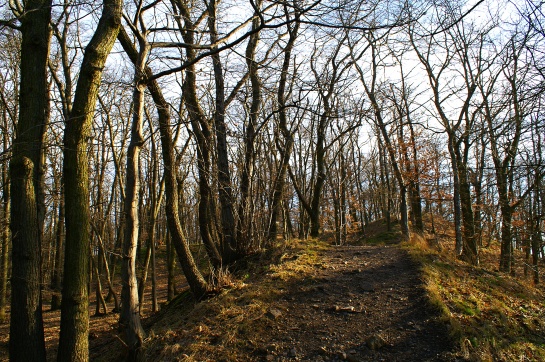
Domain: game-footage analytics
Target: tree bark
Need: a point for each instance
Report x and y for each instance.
(26, 326)
(459, 246)
(59, 246)
(4, 257)
(129, 319)
(229, 248)
(244, 214)
(74, 341)
(470, 251)
(201, 129)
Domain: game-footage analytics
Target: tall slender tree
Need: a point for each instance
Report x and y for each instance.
(74, 341)
(130, 310)
(196, 282)
(285, 146)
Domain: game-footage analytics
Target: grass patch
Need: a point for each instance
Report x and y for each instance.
(492, 316)
(227, 326)
(387, 237)
(376, 233)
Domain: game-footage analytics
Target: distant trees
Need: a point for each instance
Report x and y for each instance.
(9, 89)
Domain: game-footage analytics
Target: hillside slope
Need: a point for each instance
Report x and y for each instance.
(317, 302)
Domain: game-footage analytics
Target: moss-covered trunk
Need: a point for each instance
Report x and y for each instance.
(74, 342)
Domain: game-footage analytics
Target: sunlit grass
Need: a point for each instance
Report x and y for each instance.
(492, 316)
(226, 327)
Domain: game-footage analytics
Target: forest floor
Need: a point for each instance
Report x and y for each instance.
(306, 300)
(372, 299)
(318, 303)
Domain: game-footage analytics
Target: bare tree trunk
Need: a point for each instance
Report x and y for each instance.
(59, 245)
(194, 277)
(129, 319)
(171, 285)
(26, 326)
(459, 246)
(315, 202)
(414, 182)
(477, 182)
(154, 303)
(201, 129)
(100, 302)
(154, 210)
(285, 151)
(102, 254)
(342, 186)
(470, 251)
(6, 205)
(229, 235)
(244, 214)
(385, 203)
(74, 341)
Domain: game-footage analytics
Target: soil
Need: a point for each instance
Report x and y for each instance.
(361, 303)
(366, 303)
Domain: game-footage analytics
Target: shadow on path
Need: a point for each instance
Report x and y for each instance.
(364, 303)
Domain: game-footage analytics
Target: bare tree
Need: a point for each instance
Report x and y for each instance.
(244, 213)
(504, 113)
(73, 344)
(194, 277)
(460, 45)
(286, 145)
(130, 310)
(26, 325)
(9, 62)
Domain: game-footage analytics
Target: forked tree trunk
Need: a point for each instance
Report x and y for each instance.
(201, 128)
(285, 151)
(194, 277)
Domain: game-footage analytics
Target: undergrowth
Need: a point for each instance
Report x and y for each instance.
(492, 316)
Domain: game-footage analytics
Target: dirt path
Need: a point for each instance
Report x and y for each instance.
(364, 303)
(351, 303)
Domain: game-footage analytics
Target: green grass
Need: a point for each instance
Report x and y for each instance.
(493, 317)
(376, 233)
